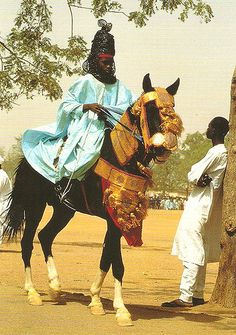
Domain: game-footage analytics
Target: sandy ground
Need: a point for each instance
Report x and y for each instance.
(151, 277)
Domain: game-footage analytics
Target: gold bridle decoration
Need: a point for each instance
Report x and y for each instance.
(171, 125)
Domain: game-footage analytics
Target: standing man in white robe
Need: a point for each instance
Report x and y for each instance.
(197, 240)
(5, 189)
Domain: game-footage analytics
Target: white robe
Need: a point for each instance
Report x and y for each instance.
(5, 189)
(197, 239)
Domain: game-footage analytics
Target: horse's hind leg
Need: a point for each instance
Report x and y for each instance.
(61, 217)
(33, 216)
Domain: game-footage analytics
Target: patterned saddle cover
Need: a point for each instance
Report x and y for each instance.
(125, 200)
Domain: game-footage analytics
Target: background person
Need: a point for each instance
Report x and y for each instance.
(5, 189)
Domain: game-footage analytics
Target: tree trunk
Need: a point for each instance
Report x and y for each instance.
(224, 292)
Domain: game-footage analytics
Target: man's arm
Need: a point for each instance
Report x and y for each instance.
(95, 107)
(200, 168)
(204, 180)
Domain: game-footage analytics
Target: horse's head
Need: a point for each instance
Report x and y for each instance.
(159, 124)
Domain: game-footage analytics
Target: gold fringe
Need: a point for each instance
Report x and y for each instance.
(125, 195)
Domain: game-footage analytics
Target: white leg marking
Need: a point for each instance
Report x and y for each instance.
(32, 295)
(28, 279)
(123, 316)
(95, 306)
(54, 284)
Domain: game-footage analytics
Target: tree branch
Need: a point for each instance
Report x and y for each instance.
(15, 55)
(72, 19)
(109, 11)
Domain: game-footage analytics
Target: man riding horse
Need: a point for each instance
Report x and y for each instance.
(108, 162)
(71, 146)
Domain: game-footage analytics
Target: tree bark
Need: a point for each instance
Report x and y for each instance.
(224, 292)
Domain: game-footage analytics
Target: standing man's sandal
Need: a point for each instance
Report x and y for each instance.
(177, 303)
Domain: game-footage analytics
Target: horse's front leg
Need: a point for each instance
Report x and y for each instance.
(111, 256)
(123, 316)
(96, 306)
(61, 217)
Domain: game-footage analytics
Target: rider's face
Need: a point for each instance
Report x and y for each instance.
(105, 65)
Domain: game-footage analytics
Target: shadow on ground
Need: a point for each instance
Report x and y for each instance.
(145, 312)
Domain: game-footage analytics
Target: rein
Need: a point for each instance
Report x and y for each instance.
(137, 136)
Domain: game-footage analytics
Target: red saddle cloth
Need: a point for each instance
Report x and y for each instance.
(133, 236)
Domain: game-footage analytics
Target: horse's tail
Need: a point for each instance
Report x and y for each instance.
(14, 222)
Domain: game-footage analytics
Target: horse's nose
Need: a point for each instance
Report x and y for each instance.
(157, 140)
(167, 140)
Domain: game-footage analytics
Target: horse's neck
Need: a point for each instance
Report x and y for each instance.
(124, 142)
(121, 154)
(109, 154)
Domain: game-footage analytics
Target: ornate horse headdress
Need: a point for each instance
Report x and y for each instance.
(171, 125)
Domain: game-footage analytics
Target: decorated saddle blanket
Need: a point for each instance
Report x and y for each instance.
(125, 200)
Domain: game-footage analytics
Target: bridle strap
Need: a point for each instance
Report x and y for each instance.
(150, 96)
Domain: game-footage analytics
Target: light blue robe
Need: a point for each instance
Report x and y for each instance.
(84, 130)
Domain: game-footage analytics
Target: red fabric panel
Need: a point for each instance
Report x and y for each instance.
(133, 236)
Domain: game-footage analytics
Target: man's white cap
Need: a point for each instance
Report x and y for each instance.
(1, 159)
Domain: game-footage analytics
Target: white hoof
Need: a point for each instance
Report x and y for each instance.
(55, 290)
(55, 294)
(34, 298)
(96, 308)
(123, 317)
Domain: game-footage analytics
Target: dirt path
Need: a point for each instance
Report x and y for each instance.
(151, 276)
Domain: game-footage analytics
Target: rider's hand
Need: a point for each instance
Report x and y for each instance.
(204, 180)
(96, 108)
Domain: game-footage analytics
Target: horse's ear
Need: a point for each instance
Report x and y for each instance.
(147, 85)
(172, 89)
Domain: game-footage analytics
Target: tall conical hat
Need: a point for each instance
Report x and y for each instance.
(103, 45)
(103, 42)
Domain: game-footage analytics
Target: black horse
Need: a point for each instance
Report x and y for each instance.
(113, 190)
